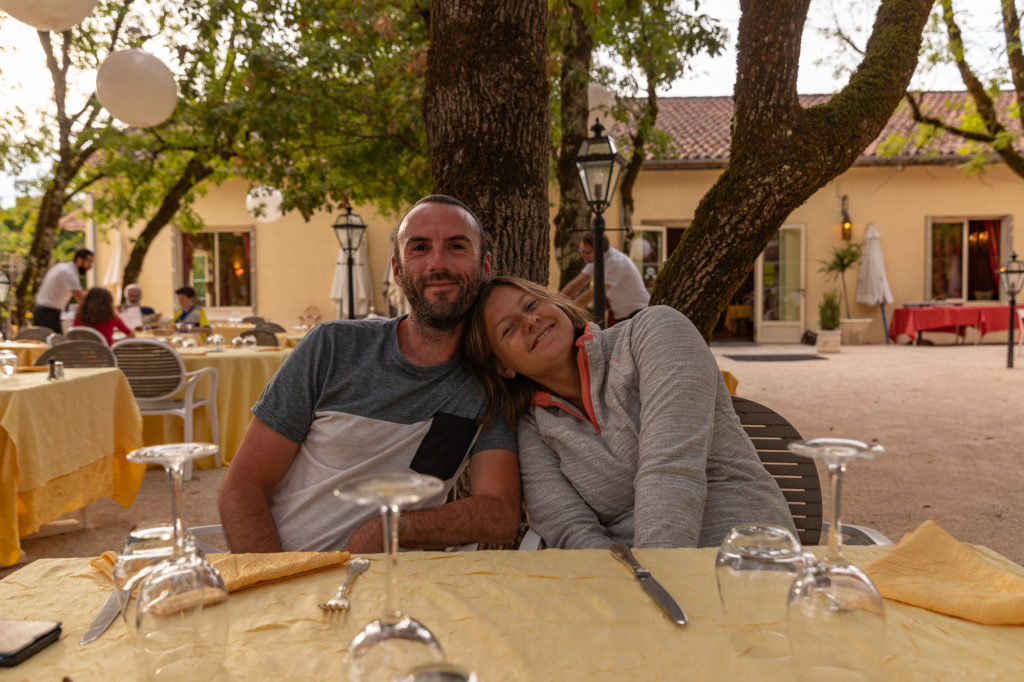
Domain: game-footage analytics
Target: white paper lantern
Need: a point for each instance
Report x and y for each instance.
(49, 15)
(137, 88)
(264, 204)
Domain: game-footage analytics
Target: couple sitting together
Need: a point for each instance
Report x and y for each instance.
(621, 435)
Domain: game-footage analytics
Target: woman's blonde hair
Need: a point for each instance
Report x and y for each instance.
(510, 397)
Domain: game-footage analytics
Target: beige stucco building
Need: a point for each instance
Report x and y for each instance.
(935, 221)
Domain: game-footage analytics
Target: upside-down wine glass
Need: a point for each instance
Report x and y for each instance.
(835, 615)
(395, 642)
(180, 631)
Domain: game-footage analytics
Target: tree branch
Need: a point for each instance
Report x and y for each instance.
(1011, 30)
(920, 117)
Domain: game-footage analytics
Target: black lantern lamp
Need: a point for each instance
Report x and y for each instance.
(1011, 279)
(847, 229)
(349, 228)
(599, 164)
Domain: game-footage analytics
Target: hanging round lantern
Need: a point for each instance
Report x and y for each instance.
(137, 88)
(264, 204)
(49, 15)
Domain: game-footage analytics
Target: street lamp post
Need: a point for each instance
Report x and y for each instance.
(599, 164)
(1011, 278)
(349, 228)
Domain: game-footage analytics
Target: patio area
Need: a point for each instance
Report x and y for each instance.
(948, 415)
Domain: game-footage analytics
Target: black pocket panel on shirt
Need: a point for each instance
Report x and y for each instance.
(445, 446)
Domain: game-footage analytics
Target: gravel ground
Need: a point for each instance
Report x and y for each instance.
(950, 418)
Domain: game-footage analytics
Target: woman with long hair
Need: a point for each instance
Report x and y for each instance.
(97, 311)
(626, 434)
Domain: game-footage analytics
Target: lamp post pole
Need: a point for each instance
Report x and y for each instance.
(598, 226)
(350, 252)
(1011, 277)
(353, 228)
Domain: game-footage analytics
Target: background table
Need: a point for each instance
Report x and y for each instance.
(242, 375)
(63, 445)
(955, 319)
(26, 351)
(508, 615)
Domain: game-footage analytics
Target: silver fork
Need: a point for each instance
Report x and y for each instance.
(340, 601)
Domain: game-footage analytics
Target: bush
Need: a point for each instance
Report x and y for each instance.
(828, 310)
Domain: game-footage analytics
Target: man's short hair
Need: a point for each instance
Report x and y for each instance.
(187, 291)
(132, 287)
(82, 254)
(485, 244)
(588, 239)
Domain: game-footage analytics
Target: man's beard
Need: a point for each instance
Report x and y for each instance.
(82, 269)
(445, 314)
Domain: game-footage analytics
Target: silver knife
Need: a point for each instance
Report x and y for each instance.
(105, 617)
(653, 587)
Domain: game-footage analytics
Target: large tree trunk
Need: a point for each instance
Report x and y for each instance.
(573, 215)
(781, 153)
(485, 107)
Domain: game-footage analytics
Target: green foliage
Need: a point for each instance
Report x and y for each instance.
(828, 310)
(842, 258)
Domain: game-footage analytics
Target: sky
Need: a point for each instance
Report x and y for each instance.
(24, 79)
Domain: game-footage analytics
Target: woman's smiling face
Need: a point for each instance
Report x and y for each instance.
(528, 336)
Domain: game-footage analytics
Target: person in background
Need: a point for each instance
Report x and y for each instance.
(190, 312)
(626, 434)
(623, 284)
(61, 283)
(97, 311)
(135, 314)
(133, 296)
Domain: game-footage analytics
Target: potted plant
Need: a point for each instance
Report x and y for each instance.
(829, 334)
(843, 258)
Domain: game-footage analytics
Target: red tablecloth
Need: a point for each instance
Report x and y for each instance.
(986, 318)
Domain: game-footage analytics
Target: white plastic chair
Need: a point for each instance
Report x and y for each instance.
(86, 334)
(156, 374)
(1020, 338)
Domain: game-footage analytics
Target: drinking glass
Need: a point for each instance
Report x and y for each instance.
(442, 671)
(180, 632)
(395, 642)
(217, 341)
(142, 549)
(836, 618)
(755, 566)
(8, 363)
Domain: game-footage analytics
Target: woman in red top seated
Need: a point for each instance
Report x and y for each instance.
(97, 311)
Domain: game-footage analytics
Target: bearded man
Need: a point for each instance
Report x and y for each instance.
(61, 283)
(359, 397)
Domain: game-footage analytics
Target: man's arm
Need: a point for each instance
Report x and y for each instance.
(78, 295)
(262, 460)
(576, 285)
(489, 514)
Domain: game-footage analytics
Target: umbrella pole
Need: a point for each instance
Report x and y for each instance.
(885, 325)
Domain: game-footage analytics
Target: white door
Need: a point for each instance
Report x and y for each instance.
(779, 315)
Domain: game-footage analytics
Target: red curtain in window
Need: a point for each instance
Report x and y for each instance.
(992, 229)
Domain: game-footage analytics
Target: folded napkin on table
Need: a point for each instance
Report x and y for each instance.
(932, 569)
(245, 570)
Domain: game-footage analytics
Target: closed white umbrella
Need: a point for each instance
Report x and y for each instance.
(362, 283)
(112, 276)
(872, 284)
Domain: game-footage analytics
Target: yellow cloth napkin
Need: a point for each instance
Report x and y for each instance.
(932, 569)
(245, 570)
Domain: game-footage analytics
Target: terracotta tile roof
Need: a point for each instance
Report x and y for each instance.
(700, 129)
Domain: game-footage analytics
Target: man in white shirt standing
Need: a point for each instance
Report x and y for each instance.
(61, 283)
(624, 287)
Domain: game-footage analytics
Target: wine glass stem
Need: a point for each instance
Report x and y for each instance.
(175, 473)
(389, 514)
(835, 528)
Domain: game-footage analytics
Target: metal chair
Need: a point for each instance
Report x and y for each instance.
(1020, 321)
(78, 354)
(34, 334)
(263, 337)
(252, 319)
(797, 476)
(56, 339)
(271, 327)
(86, 334)
(156, 374)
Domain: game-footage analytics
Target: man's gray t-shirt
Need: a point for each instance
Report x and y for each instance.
(356, 406)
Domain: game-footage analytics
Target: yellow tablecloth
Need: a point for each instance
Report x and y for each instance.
(289, 339)
(731, 382)
(63, 445)
(242, 375)
(548, 615)
(27, 352)
(230, 331)
(735, 313)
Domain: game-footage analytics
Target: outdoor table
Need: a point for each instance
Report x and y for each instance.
(62, 445)
(290, 339)
(955, 319)
(27, 351)
(507, 615)
(230, 331)
(242, 374)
